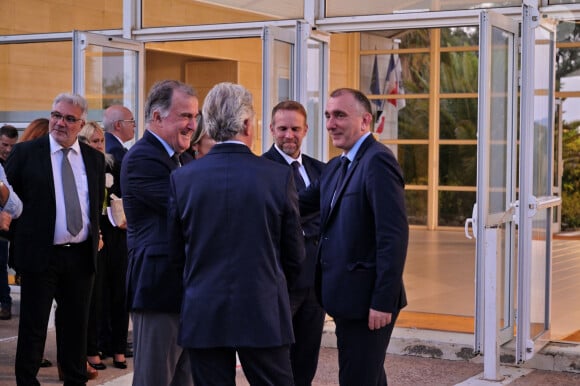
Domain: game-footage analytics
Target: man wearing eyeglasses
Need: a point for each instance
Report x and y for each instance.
(61, 183)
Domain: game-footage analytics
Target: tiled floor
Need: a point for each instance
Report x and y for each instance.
(440, 278)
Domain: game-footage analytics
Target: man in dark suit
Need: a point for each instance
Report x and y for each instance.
(288, 128)
(56, 239)
(113, 321)
(235, 226)
(154, 283)
(363, 243)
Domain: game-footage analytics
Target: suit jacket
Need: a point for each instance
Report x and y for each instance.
(29, 170)
(364, 236)
(310, 223)
(235, 227)
(153, 282)
(118, 151)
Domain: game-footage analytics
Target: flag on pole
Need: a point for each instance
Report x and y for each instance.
(375, 85)
(394, 82)
(387, 123)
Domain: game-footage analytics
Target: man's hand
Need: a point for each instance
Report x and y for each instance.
(378, 319)
(5, 220)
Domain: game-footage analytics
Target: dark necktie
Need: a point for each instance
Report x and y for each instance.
(298, 180)
(344, 161)
(74, 218)
(175, 158)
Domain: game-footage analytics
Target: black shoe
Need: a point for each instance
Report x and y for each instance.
(129, 353)
(98, 366)
(45, 363)
(120, 365)
(5, 313)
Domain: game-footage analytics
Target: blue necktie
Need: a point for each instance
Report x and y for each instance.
(298, 180)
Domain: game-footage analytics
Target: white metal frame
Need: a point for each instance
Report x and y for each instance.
(487, 333)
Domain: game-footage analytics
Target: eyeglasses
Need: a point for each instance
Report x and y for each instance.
(67, 118)
(131, 121)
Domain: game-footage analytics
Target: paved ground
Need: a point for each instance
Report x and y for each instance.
(402, 370)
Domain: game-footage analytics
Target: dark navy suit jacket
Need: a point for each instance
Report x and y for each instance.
(364, 236)
(235, 226)
(153, 282)
(29, 171)
(310, 223)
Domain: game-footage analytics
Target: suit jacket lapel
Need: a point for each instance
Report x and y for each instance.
(351, 170)
(47, 167)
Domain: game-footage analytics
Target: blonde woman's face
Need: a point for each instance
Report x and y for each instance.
(97, 141)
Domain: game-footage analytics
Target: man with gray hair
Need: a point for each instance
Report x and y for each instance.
(235, 227)
(154, 288)
(61, 183)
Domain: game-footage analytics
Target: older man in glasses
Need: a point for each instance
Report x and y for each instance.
(61, 183)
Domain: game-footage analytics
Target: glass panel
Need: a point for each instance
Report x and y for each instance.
(416, 202)
(551, 2)
(313, 141)
(414, 119)
(459, 72)
(377, 72)
(157, 13)
(500, 121)
(281, 72)
(454, 206)
(458, 118)
(112, 77)
(385, 40)
(540, 262)
(458, 166)
(22, 17)
(460, 37)
(369, 7)
(33, 74)
(413, 160)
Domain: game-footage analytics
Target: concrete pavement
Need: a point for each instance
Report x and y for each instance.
(414, 358)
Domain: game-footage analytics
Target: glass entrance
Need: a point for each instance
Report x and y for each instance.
(109, 71)
(495, 230)
(536, 173)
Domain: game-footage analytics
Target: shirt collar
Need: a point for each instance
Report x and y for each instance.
(166, 146)
(287, 157)
(353, 150)
(55, 146)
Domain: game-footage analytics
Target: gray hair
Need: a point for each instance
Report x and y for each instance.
(225, 109)
(75, 100)
(160, 96)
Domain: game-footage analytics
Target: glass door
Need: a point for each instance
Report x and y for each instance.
(495, 230)
(109, 70)
(537, 202)
(278, 73)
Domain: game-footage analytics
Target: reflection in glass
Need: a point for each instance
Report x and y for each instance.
(458, 165)
(367, 7)
(413, 160)
(112, 78)
(416, 202)
(455, 207)
(460, 37)
(458, 118)
(539, 271)
(459, 72)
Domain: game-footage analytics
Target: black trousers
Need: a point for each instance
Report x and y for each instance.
(262, 366)
(308, 322)
(68, 280)
(109, 318)
(361, 352)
